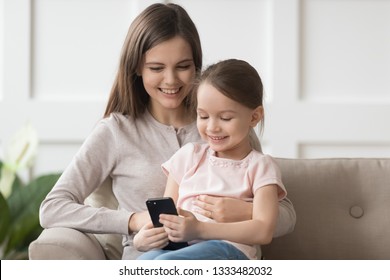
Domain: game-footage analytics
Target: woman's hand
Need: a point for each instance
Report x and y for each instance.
(181, 228)
(150, 237)
(224, 209)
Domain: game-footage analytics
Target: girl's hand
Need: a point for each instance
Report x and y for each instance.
(181, 228)
(150, 237)
(224, 209)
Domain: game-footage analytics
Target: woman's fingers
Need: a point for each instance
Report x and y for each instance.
(206, 202)
(206, 205)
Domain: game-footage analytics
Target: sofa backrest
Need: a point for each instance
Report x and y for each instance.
(342, 207)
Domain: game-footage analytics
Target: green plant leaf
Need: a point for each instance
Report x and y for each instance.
(4, 215)
(4, 218)
(24, 211)
(17, 184)
(20, 231)
(33, 193)
(16, 202)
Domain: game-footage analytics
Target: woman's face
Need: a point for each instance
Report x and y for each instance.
(168, 71)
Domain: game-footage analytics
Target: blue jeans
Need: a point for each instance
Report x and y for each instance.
(205, 250)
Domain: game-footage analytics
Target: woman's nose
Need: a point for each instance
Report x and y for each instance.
(170, 77)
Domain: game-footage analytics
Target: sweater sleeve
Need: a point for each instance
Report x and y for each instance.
(64, 205)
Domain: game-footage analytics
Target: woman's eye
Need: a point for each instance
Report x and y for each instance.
(183, 67)
(156, 69)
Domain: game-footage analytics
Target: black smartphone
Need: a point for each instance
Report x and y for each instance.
(163, 205)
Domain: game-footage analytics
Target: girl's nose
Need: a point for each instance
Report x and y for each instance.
(212, 125)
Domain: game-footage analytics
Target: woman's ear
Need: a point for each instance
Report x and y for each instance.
(257, 116)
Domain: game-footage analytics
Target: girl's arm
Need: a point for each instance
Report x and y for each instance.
(172, 189)
(224, 210)
(258, 230)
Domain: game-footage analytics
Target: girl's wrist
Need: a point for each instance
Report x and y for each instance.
(202, 230)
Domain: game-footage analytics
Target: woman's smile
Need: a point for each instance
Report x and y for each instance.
(170, 91)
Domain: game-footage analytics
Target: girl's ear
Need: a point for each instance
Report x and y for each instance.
(257, 116)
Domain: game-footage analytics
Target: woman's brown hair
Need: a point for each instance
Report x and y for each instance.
(156, 24)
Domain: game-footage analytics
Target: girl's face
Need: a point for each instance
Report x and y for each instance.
(168, 71)
(225, 123)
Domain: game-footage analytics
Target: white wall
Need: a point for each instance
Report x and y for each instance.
(325, 65)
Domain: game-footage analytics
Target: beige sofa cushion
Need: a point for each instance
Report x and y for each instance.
(342, 207)
(65, 244)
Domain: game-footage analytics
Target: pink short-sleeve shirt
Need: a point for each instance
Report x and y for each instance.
(198, 171)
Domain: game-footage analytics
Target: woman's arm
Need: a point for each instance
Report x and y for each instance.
(286, 218)
(138, 220)
(64, 205)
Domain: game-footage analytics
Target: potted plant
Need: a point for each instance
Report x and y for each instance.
(20, 200)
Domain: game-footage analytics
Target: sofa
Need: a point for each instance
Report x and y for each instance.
(342, 207)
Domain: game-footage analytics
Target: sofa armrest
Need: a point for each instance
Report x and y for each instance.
(65, 244)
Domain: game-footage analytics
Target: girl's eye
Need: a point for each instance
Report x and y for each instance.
(202, 117)
(226, 119)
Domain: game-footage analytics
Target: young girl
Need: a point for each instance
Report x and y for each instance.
(147, 119)
(229, 104)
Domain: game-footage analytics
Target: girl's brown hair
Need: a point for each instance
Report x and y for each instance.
(237, 80)
(156, 24)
